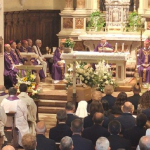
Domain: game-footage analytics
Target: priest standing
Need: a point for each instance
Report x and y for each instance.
(31, 106)
(143, 61)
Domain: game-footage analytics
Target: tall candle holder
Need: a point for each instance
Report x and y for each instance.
(122, 48)
(116, 48)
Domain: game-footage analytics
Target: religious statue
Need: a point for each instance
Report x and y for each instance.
(143, 61)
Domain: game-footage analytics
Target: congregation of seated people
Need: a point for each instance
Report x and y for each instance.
(13, 57)
(107, 122)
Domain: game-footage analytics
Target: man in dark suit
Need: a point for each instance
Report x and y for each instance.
(66, 143)
(61, 129)
(96, 131)
(79, 142)
(115, 140)
(126, 119)
(134, 134)
(70, 109)
(136, 97)
(43, 142)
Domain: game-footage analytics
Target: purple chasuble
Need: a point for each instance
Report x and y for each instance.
(101, 45)
(15, 57)
(144, 58)
(56, 69)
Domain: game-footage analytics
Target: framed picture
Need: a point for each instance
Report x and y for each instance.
(1, 46)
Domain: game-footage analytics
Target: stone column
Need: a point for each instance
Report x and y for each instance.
(1, 41)
(68, 5)
(143, 6)
(81, 4)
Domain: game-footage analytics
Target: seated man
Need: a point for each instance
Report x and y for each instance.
(31, 106)
(36, 47)
(102, 143)
(10, 70)
(58, 65)
(13, 104)
(104, 46)
(24, 46)
(61, 129)
(66, 143)
(143, 60)
(43, 142)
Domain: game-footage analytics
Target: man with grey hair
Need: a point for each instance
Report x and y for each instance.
(61, 129)
(41, 59)
(66, 143)
(102, 143)
(42, 141)
(144, 143)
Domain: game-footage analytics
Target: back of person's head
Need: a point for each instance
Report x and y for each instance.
(145, 100)
(141, 120)
(136, 89)
(144, 143)
(2, 88)
(98, 118)
(40, 128)
(96, 106)
(61, 116)
(66, 143)
(121, 99)
(77, 126)
(23, 87)
(29, 142)
(70, 106)
(8, 147)
(102, 143)
(114, 127)
(105, 105)
(12, 91)
(96, 95)
(108, 90)
(128, 107)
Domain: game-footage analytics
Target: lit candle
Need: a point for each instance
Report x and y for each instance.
(122, 47)
(116, 47)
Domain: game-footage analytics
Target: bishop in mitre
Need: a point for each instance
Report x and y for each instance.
(13, 104)
(31, 106)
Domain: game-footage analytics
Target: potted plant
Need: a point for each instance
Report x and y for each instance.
(96, 22)
(68, 45)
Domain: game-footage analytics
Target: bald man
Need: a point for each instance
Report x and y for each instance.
(8, 147)
(144, 143)
(10, 70)
(96, 131)
(96, 95)
(42, 141)
(126, 119)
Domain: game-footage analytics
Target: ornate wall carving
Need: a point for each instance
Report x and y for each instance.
(67, 23)
(41, 24)
(79, 46)
(79, 23)
(80, 3)
(68, 3)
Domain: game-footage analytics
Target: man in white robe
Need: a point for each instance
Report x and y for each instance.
(41, 59)
(13, 104)
(31, 106)
(3, 93)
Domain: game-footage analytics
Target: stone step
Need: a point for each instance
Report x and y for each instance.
(52, 103)
(53, 95)
(50, 110)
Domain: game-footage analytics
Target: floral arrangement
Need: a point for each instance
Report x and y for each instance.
(99, 78)
(103, 71)
(84, 72)
(68, 42)
(29, 80)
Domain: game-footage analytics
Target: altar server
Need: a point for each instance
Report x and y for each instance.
(31, 106)
(13, 104)
(143, 61)
(58, 65)
(103, 46)
(9, 66)
(36, 47)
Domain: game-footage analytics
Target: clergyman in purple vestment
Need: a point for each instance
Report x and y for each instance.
(58, 65)
(9, 66)
(103, 46)
(143, 60)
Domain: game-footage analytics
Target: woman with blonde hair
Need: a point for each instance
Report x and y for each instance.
(108, 90)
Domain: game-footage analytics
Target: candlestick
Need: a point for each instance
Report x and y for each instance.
(122, 48)
(116, 47)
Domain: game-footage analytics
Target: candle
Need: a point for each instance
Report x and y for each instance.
(74, 74)
(122, 47)
(116, 47)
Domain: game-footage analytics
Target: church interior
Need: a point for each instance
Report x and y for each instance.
(57, 55)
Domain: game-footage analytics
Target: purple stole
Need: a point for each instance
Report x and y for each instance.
(12, 98)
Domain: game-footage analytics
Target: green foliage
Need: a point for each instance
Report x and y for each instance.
(68, 42)
(96, 20)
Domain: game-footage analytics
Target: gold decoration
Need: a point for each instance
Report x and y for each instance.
(79, 23)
